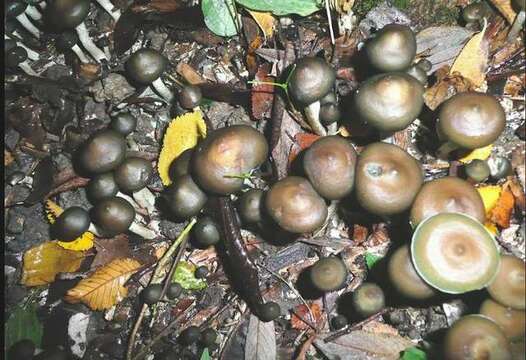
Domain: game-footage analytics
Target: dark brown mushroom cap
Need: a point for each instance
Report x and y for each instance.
(124, 123)
(190, 96)
(227, 152)
(133, 174)
(66, 14)
(448, 194)
(71, 224)
(328, 274)
(509, 286)
(329, 113)
(389, 102)
(476, 337)
(387, 179)
(181, 165)
(184, 198)
(102, 186)
(103, 152)
(145, 65)
(206, 232)
(474, 12)
(251, 206)
(404, 277)
(454, 253)
(113, 215)
(295, 206)
(311, 80)
(329, 164)
(393, 48)
(471, 120)
(512, 322)
(368, 299)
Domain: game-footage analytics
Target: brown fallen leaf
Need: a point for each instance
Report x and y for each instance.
(515, 85)
(501, 212)
(105, 287)
(111, 249)
(265, 20)
(189, 74)
(301, 142)
(43, 262)
(446, 86)
(262, 95)
(90, 71)
(505, 8)
(303, 311)
(360, 233)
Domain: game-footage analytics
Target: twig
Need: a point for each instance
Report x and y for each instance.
(135, 330)
(329, 19)
(68, 185)
(356, 326)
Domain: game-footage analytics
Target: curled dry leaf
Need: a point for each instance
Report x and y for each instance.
(501, 212)
(301, 142)
(261, 340)
(446, 86)
(111, 249)
(302, 310)
(262, 95)
(105, 287)
(43, 262)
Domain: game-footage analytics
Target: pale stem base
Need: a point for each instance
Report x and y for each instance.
(88, 44)
(161, 88)
(28, 25)
(312, 113)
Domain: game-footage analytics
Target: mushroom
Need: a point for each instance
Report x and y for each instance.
(454, 253)
(115, 13)
(518, 23)
(173, 291)
(418, 73)
(476, 337)
(184, 198)
(511, 321)
(339, 322)
(133, 174)
(68, 41)
(225, 156)
(368, 299)
(11, 43)
(393, 48)
(201, 272)
(251, 206)
(181, 165)
(329, 114)
(509, 286)
(190, 96)
(404, 277)
(329, 164)
(499, 167)
(469, 120)
(475, 12)
(269, 311)
(295, 206)
(425, 65)
(208, 337)
(190, 335)
(206, 232)
(70, 14)
(389, 102)
(145, 67)
(448, 194)
(387, 179)
(71, 224)
(328, 274)
(17, 57)
(310, 80)
(102, 186)
(103, 152)
(16, 9)
(152, 294)
(477, 171)
(124, 123)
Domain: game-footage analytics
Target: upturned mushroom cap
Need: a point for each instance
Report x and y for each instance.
(389, 102)
(509, 286)
(133, 174)
(124, 123)
(145, 65)
(71, 224)
(184, 197)
(448, 194)
(102, 186)
(454, 253)
(328, 274)
(393, 48)
(404, 277)
(512, 322)
(14, 8)
(476, 337)
(113, 215)
(226, 153)
(295, 206)
(66, 14)
(251, 206)
(181, 165)
(471, 120)
(387, 179)
(329, 164)
(311, 80)
(103, 152)
(368, 299)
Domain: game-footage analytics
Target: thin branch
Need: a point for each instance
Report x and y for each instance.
(356, 326)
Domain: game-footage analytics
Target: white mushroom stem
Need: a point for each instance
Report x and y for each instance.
(142, 231)
(27, 69)
(107, 52)
(28, 25)
(78, 51)
(129, 199)
(161, 88)
(110, 9)
(312, 113)
(92, 229)
(88, 44)
(517, 26)
(332, 129)
(33, 13)
(31, 54)
(145, 199)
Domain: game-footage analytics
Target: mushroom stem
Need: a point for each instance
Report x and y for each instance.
(33, 13)
(445, 149)
(108, 6)
(78, 51)
(142, 231)
(517, 26)
(88, 44)
(129, 199)
(31, 54)
(312, 112)
(28, 25)
(107, 52)
(161, 88)
(27, 69)
(93, 229)
(332, 129)
(145, 199)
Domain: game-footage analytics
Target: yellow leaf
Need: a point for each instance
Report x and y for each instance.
(105, 287)
(472, 61)
(43, 262)
(478, 154)
(505, 8)
(53, 211)
(490, 195)
(84, 242)
(265, 21)
(343, 131)
(182, 134)
(491, 227)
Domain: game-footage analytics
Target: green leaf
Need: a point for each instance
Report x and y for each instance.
(220, 16)
(371, 259)
(23, 324)
(184, 275)
(205, 355)
(414, 353)
(283, 7)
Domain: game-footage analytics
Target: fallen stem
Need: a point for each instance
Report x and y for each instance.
(356, 326)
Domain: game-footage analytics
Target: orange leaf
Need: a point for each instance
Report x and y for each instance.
(501, 213)
(262, 94)
(303, 311)
(303, 141)
(105, 287)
